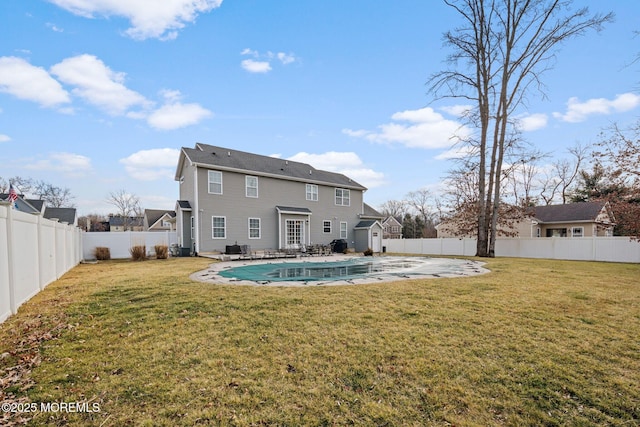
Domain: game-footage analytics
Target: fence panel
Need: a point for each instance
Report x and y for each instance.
(34, 252)
(611, 249)
(5, 292)
(119, 243)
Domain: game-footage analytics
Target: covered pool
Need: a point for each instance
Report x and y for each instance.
(337, 270)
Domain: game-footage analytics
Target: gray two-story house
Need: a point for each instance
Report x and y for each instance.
(230, 197)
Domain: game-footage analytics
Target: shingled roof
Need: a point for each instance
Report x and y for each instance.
(571, 212)
(220, 158)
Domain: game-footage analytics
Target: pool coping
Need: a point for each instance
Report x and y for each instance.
(210, 275)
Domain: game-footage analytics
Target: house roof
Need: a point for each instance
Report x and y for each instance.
(390, 219)
(184, 205)
(33, 206)
(67, 215)
(291, 209)
(133, 221)
(571, 212)
(220, 158)
(367, 223)
(369, 212)
(154, 215)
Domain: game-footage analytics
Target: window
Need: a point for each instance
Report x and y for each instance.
(215, 182)
(251, 186)
(219, 229)
(312, 192)
(193, 228)
(577, 232)
(326, 226)
(254, 228)
(342, 197)
(343, 230)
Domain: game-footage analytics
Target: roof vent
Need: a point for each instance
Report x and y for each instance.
(286, 162)
(310, 171)
(229, 153)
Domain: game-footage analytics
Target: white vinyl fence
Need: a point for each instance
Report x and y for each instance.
(34, 252)
(119, 243)
(611, 249)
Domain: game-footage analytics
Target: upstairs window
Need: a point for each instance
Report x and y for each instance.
(343, 197)
(251, 184)
(215, 182)
(312, 192)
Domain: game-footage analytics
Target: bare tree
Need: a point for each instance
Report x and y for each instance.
(423, 202)
(503, 48)
(394, 208)
(127, 205)
(56, 197)
(560, 181)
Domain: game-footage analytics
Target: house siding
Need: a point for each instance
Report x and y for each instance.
(237, 209)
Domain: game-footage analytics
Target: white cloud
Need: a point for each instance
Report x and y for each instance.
(347, 163)
(55, 28)
(532, 122)
(174, 114)
(262, 62)
(151, 165)
(25, 81)
(255, 66)
(4, 138)
(73, 165)
(149, 19)
(424, 129)
(579, 111)
(457, 110)
(98, 84)
(457, 152)
(286, 58)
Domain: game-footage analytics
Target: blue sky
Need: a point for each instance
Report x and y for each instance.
(99, 95)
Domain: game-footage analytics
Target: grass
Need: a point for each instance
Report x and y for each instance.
(535, 342)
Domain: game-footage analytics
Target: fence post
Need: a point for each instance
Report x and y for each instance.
(10, 263)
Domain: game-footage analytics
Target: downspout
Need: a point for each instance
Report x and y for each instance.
(196, 212)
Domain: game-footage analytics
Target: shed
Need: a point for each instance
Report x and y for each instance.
(368, 236)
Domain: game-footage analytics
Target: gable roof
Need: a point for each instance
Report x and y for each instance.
(220, 158)
(392, 219)
(154, 215)
(370, 212)
(367, 224)
(67, 215)
(26, 205)
(571, 212)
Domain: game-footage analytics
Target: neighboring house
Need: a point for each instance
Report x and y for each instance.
(32, 206)
(64, 215)
(583, 219)
(392, 228)
(159, 220)
(230, 197)
(118, 223)
(38, 207)
(570, 220)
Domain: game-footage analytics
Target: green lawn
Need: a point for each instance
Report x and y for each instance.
(534, 342)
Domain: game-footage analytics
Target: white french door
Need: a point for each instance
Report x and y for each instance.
(294, 233)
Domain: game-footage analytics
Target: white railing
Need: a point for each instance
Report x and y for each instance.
(610, 249)
(34, 252)
(119, 243)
